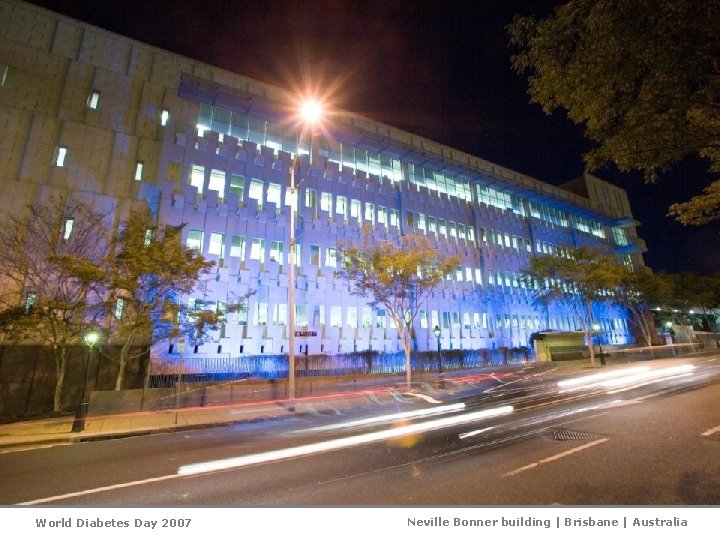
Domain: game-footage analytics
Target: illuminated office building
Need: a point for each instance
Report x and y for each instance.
(116, 121)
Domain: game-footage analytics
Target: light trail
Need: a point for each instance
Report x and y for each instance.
(336, 444)
(387, 418)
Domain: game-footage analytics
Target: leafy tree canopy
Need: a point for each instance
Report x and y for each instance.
(643, 78)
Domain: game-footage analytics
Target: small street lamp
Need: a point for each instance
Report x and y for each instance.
(441, 374)
(91, 338)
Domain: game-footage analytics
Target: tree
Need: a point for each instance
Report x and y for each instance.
(644, 80)
(149, 270)
(399, 277)
(576, 282)
(51, 269)
(640, 290)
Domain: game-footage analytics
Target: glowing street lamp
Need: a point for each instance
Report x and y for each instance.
(311, 112)
(91, 338)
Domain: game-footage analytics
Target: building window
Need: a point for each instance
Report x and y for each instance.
(148, 237)
(164, 117)
(326, 202)
(93, 101)
(423, 319)
(217, 183)
(331, 257)
(119, 307)
(60, 155)
(261, 309)
(237, 247)
(67, 231)
(30, 302)
(382, 215)
(138, 170)
(217, 244)
(280, 314)
(194, 240)
(256, 191)
(380, 319)
(276, 251)
(237, 186)
(335, 316)
(257, 250)
(394, 218)
(197, 177)
(315, 255)
(370, 212)
(366, 321)
(355, 209)
(352, 321)
(341, 206)
(274, 195)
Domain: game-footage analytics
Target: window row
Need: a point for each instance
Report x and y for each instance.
(439, 227)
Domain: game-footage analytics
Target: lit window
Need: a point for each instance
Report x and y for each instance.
(431, 225)
(93, 101)
(370, 212)
(261, 309)
(138, 170)
(237, 248)
(341, 206)
(217, 244)
(60, 155)
(197, 178)
(119, 307)
(194, 239)
(394, 218)
(352, 321)
(279, 314)
(217, 183)
(257, 250)
(326, 202)
(335, 316)
(355, 209)
(148, 237)
(164, 117)
(256, 191)
(30, 302)
(67, 232)
(382, 215)
(273, 194)
(331, 257)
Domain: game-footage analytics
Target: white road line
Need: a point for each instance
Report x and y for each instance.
(64, 496)
(711, 431)
(554, 458)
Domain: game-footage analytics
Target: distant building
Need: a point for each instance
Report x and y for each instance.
(118, 122)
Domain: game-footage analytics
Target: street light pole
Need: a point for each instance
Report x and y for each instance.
(310, 112)
(90, 338)
(441, 374)
(291, 286)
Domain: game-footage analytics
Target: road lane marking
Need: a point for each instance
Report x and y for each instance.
(711, 431)
(64, 496)
(554, 458)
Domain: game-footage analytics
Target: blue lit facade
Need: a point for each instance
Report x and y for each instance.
(212, 150)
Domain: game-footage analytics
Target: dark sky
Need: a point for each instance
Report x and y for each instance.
(437, 68)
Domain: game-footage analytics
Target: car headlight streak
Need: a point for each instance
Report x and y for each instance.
(345, 442)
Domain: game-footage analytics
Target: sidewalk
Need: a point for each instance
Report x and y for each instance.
(59, 430)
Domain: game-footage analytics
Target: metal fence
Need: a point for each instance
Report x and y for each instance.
(168, 371)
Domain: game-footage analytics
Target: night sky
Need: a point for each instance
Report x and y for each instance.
(440, 69)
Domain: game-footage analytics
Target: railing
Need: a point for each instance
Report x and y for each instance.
(166, 372)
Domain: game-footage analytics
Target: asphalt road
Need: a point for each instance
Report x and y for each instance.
(650, 435)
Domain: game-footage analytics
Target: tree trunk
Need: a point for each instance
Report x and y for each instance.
(122, 365)
(60, 367)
